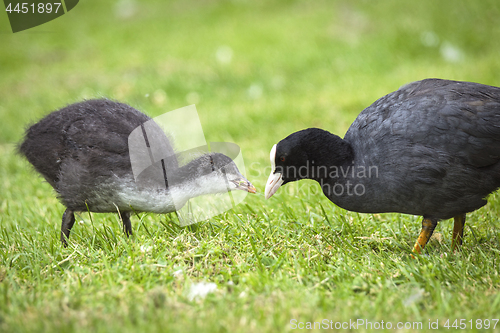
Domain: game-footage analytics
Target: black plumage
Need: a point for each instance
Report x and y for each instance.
(433, 149)
(82, 150)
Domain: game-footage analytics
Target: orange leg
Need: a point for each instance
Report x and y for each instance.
(428, 226)
(458, 231)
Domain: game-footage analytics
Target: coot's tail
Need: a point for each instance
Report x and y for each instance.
(44, 148)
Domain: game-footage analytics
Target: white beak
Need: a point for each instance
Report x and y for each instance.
(275, 178)
(273, 184)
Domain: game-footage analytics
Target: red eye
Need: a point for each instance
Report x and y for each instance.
(282, 158)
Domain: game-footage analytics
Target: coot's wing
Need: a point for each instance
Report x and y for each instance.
(101, 125)
(460, 119)
(98, 137)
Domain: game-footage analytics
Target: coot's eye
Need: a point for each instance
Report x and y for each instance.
(212, 163)
(282, 158)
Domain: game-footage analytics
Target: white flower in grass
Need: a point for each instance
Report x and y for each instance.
(145, 249)
(414, 298)
(201, 290)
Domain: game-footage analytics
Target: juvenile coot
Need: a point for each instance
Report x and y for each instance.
(82, 150)
(431, 148)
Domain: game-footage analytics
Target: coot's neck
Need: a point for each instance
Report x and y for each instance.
(329, 158)
(154, 197)
(187, 182)
(344, 181)
(194, 187)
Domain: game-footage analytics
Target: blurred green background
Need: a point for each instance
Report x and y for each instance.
(257, 71)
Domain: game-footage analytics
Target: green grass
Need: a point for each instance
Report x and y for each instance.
(295, 64)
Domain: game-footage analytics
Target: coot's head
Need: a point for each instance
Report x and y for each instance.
(217, 172)
(305, 154)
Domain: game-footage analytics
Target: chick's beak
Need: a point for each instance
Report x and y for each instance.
(245, 185)
(273, 184)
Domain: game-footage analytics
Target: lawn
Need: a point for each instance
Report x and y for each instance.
(257, 71)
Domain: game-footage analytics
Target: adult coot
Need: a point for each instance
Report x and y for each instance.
(431, 148)
(82, 150)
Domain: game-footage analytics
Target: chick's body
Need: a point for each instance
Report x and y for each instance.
(84, 151)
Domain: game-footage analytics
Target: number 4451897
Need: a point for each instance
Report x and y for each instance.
(31, 8)
(478, 324)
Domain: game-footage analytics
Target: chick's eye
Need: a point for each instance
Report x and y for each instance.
(282, 158)
(212, 163)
